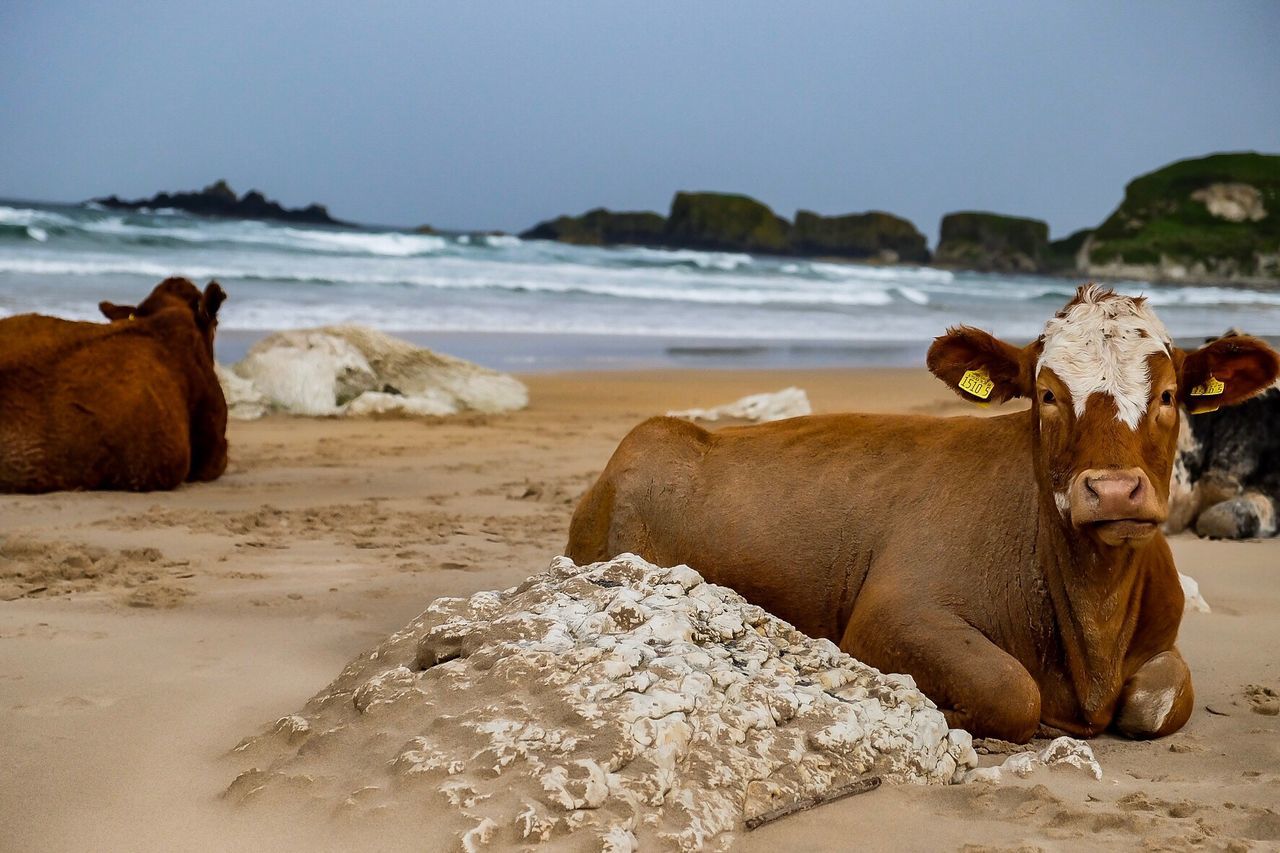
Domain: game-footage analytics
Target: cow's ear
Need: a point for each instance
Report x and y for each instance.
(978, 366)
(1227, 371)
(112, 311)
(210, 302)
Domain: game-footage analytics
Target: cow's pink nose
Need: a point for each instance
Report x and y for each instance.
(1114, 490)
(1111, 494)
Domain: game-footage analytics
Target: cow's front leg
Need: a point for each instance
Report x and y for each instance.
(977, 685)
(1157, 700)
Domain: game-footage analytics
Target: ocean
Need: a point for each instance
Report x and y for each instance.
(533, 305)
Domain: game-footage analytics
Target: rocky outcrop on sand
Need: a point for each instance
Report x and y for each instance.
(601, 227)
(876, 236)
(218, 199)
(992, 242)
(1215, 217)
(1226, 482)
(614, 706)
(788, 403)
(354, 370)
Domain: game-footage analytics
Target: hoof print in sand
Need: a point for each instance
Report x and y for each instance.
(1262, 700)
(622, 703)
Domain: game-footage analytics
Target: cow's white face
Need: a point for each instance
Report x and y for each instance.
(1106, 415)
(1105, 384)
(1099, 344)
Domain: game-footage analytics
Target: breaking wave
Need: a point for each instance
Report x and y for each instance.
(63, 260)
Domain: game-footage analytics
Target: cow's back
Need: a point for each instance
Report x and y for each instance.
(90, 406)
(796, 515)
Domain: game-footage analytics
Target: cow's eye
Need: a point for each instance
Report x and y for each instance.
(1048, 397)
(1166, 399)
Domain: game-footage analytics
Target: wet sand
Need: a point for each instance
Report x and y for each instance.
(145, 635)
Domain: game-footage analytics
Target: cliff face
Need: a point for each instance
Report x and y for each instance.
(991, 242)
(218, 199)
(1215, 217)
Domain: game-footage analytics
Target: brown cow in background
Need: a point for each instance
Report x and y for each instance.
(132, 404)
(1012, 565)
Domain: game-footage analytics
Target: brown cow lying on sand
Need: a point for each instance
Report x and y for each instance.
(1013, 565)
(133, 404)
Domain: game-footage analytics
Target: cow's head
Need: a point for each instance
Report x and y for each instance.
(175, 293)
(1106, 387)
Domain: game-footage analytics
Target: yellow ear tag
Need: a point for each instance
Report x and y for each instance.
(977, 383)
(1211, 387)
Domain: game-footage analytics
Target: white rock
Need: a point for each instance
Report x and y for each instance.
(1061, 752)
(623, 704)
(434, 403)
(308, 372)
(788, 403)
(354, 370)
(244, 401)
(1191, 591)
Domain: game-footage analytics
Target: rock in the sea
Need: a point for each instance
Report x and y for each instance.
(788, 403)
(355, 370)
(218, 199)
(738, 223)
(618, 706)
(862, 236)
(725, 222)
(601, 227)
(992, 242)
(1214, 218)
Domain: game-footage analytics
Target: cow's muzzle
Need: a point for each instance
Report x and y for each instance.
(1118, 504)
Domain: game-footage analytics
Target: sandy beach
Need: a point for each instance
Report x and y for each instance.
(143, 635)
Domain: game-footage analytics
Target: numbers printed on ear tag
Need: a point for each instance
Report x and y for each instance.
(1211, 388)
(977, 383)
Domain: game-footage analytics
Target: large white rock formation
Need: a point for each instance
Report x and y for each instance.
(620, 704)
(354, 370)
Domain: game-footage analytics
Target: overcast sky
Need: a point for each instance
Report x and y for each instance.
(496, 115)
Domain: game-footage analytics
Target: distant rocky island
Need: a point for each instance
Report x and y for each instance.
(218, 199)
(1214, 218)
(737, 223)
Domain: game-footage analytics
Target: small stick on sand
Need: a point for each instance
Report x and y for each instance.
(859, 787)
